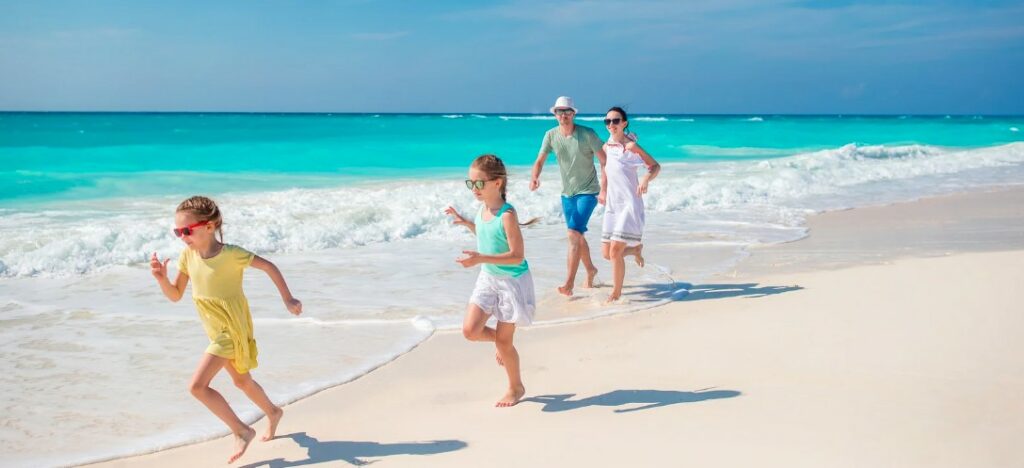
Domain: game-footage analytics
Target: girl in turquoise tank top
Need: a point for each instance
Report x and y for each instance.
(504, 288)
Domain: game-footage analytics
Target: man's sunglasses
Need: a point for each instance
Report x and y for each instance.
(188, 230)
(476, 184)
(563, 111)
(614, 121)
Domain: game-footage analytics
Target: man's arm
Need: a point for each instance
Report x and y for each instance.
(538, 165)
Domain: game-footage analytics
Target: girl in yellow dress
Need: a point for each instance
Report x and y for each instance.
(215, 269)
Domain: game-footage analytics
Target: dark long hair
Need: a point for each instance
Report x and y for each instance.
(625, 118)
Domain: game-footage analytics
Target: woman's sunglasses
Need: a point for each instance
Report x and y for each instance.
(476, 184)
(188, 230)
(615, 121)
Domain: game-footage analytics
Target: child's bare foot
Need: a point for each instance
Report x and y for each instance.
(497, 357)
(272, 420)
(565, 290)
(591, 274)
(639, 255)
(242, 442)
(511, 397)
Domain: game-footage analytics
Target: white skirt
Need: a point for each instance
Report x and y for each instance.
(509, 299)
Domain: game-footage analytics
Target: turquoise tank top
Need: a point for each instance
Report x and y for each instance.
(491, 240)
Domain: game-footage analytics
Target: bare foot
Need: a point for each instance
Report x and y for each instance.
(612, 300)
(639, 255)
(511, 397)
(272, 420)
(565, 290)
(242, 442)
(497, 357)
(591, 274)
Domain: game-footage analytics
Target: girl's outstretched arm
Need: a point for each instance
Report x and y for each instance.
(458, 220)
(515, 254)
(294, 305)
(159, 270)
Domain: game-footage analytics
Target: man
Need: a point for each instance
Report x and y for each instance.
(575, 147)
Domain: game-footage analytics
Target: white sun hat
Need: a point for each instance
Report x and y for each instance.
(563, 102)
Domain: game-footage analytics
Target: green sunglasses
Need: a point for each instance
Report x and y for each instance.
(476, 184)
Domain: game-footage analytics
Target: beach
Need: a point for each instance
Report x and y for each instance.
(210, 214)
(894, 355)
(86, 338)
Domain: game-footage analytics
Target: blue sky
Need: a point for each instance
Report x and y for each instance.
(726, 56)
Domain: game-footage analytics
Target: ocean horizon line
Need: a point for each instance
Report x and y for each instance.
(352, 113)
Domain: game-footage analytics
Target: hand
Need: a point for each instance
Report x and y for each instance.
(602, 197)
(457, 219)
(642, 188)
(469, 258)
(294, 306)
(158, 269)
(534, 184)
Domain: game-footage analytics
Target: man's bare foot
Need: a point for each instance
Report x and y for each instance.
(639, 255)
(612, 300)
(272, 420)
(591, 274)
(565, 290)
(497, 357)
(511, 397)
(242, 442)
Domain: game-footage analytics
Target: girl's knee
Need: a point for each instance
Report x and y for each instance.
(503, 340)
(243, 381)
(504, 343)
(197, 389)
(470, 333)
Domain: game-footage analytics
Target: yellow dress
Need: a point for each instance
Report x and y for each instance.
(222, 307)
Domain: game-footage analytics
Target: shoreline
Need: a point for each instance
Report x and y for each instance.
(925, 227)
(451, 339)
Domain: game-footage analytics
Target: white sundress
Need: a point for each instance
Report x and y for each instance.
(624, 209)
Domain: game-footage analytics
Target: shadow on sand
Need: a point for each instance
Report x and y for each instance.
(699, 292)
(353, 452)
(647, 399)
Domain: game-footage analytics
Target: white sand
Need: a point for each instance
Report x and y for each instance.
(917, 362)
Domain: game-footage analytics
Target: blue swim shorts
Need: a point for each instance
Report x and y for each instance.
(577, 210)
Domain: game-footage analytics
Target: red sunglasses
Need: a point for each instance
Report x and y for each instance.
(188, 230)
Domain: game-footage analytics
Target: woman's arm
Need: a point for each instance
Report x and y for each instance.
(294, 305)
(602, 158)
(653, 168)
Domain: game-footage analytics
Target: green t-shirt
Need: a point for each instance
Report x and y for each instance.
(575, 154)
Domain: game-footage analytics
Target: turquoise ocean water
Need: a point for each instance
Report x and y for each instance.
(350, 207)
(72, 156)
